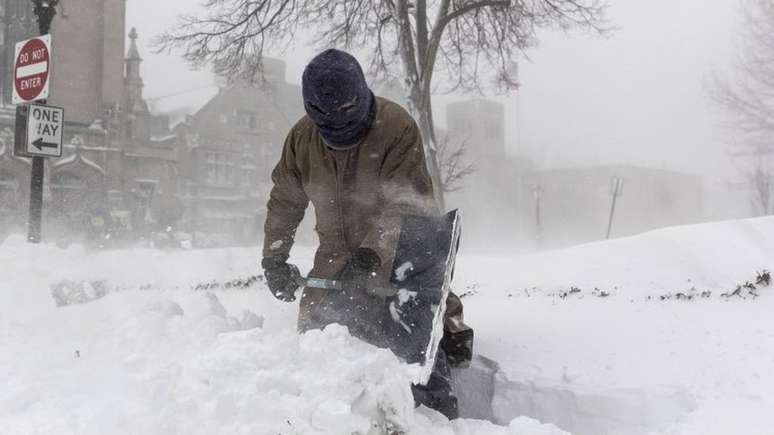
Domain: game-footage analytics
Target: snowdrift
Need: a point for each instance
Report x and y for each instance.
(714, 256)
(159, 357)
(172, 360)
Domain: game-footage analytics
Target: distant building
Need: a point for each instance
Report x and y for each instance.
(125, 171)
(575, 203)
(17, 22)
(480, 123)
(491, 199)
(505, 198)
(113, 178)
(228, 147)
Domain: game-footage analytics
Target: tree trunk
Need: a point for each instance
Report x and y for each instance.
(421, 108)
(418, 84)
(426, 128)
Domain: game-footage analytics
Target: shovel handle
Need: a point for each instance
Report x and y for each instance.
(337, 285)
(327, 284)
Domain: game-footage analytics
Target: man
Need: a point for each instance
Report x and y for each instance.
(359, 159)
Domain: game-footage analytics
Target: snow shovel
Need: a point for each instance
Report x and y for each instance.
(408, 317)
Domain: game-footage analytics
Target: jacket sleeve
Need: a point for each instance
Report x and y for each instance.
(287, 204)
(406, 189)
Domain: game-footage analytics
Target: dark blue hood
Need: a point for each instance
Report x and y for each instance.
(337, 98)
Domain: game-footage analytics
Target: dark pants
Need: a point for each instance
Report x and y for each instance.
(455, 348)
(438, 393)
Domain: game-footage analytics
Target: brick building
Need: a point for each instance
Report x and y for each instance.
(113, 178)
(229, 138)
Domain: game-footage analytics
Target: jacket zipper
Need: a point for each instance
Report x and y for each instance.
(339, 182)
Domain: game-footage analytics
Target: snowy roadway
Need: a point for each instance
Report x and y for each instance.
(582, 337)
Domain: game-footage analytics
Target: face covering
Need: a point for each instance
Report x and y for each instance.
(337, 98)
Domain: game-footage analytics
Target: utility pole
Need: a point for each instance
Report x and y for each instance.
(616, 190)
(5, 23)
(538, 193)
(44, 10)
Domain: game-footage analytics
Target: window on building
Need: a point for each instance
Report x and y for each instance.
(230, 171)
(220, 168)
(247, 119)
(129, 129)
(248, 166)
(115, 199)
(146, 191)
(211, 168)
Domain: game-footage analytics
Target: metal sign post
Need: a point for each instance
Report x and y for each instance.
(616, 190)
(31, 84)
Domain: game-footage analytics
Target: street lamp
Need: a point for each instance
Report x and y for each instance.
(537, 191)
(45, 10)
(616, 190)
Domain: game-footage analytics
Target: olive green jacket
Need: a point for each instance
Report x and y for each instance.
(358, 194)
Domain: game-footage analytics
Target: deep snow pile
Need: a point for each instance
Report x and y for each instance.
(714, 256)
(610, 358)
(616, 357)
(180, 361)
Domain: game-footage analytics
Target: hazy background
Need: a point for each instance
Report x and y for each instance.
(636, 96)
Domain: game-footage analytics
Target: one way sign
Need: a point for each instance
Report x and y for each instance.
(44, 130)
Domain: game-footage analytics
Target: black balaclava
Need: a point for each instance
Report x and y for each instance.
(337, 98)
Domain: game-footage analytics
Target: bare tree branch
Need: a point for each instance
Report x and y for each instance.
(473, 42)
(761, 178)
(454, 164)
(748, 100)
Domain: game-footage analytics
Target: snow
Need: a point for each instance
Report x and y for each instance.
(159, 357)
(172, 360)
(400, 271)
(77, 157)
(631, 362)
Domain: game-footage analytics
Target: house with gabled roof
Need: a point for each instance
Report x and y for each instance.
(227, 147)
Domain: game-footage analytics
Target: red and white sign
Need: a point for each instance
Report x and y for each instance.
(30, 77)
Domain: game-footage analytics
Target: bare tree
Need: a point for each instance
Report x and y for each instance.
(453, 163)
(761, 180)
(474, 42)
(748, 99)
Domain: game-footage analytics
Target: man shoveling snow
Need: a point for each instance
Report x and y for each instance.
(360, 160)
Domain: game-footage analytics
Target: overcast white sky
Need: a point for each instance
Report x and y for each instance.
(635, 97)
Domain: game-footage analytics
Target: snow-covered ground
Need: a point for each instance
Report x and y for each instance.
(596, 339)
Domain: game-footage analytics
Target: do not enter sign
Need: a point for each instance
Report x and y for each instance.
(31, 70)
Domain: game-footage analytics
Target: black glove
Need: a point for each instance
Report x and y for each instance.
(359, 274)
(283, 278)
